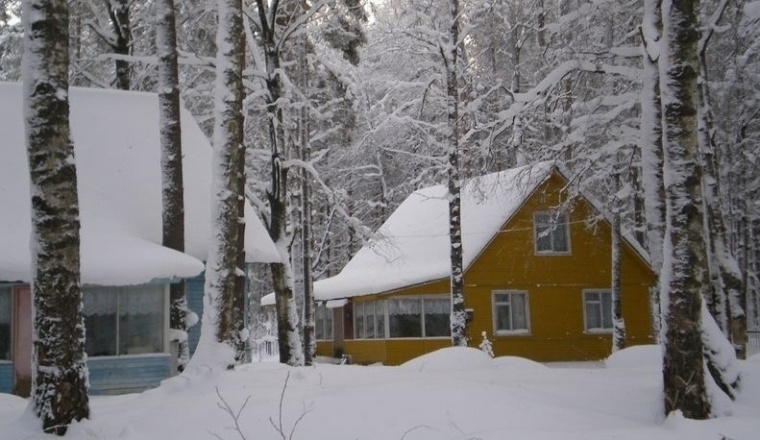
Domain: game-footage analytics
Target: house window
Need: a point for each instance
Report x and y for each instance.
(405, 317)
(323, 320)
(124, 320)
(5, 323)
(510, 309)
(551, 232)
(437, 317)
(369, 319)
(597, 310)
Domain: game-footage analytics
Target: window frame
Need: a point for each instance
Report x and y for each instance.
(124, 290)
(565, 224)
(494, 312)
(600, 302)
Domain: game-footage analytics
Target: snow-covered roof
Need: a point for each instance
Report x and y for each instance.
(414, 243)
(117, 150)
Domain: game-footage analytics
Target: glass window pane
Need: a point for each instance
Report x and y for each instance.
(503, 318)
(359, 320)
(437, 317)
(519, 315)
(560, 234)
(319, 322)
(99, 309)
(141, 320)
(380, 319)
(5, 323)
(328, 317)
(369, 319)
(606, 309)
(404, 318)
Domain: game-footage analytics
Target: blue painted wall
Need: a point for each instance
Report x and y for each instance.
(128, 374)
(194, 294)
(6, 377)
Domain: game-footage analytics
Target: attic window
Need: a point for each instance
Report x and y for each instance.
(551, 232)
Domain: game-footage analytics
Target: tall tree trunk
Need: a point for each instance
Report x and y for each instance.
(309, 337)
(451, 56)
(224, 304)
(684, 276)
(173, 213)
(59, 388)
(618, 324)
(651, 150)
(726, 302)
(290, 345)
(118, 12)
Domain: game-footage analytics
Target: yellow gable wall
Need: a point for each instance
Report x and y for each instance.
(554, 284)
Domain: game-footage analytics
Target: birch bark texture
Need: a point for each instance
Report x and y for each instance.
(450, 54)
(224, 302)
(59, 383)
(684, 276)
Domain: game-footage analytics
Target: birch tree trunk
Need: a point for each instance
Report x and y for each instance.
(618, 324)
(224, 304)
(59, 385)
(651, 150)
(450, 56)
(684, 276)
(173, 213)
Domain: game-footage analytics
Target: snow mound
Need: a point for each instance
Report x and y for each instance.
(754, 358)
(450, 359)
(517, 363)
(638, 356)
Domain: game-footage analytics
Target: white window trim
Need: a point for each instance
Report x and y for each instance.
(518, 332)
(567, 234)
(600, 330)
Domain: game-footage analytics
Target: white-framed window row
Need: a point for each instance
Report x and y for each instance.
(422, 316)
(323, 322)
(127, 320)
(597, 311)
(511, 312)
(551, 232)
(6, 323)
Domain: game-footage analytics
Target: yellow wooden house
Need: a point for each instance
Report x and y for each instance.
(537, 277)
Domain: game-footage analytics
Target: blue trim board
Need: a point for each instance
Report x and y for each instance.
(128, 374)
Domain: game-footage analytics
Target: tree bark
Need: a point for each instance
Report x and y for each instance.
(684, 276)
(225, 276)
(173, 205)
(451, 58)
(118, 12)
(59, 388)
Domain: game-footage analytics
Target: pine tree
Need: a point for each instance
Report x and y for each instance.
(59, 388)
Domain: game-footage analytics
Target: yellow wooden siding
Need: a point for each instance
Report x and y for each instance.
(554, 284)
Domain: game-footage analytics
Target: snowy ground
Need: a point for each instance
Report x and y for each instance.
(451, 394)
